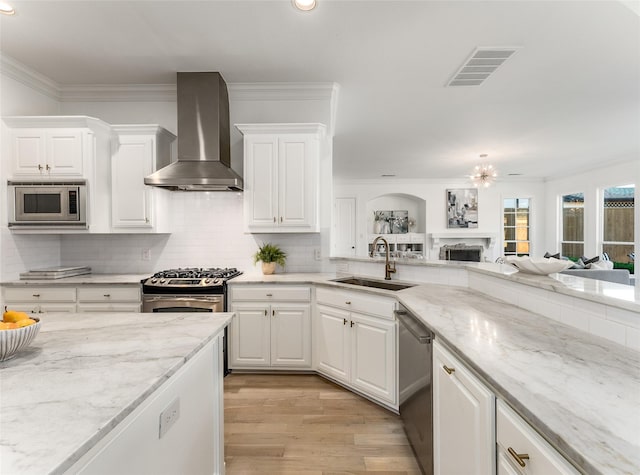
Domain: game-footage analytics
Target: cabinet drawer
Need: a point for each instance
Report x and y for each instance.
(357, 301)
(515, 433)
(266, 294)
(109, 307)
(40, 294)
(109, 294)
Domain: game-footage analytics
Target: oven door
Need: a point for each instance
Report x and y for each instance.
(182, 303)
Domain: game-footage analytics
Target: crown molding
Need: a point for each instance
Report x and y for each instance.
(281, 91)
(118, 93)
(23, 74)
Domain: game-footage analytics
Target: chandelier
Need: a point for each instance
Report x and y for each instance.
(483, 175)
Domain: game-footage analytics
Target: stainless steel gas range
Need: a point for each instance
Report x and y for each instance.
(189, 290)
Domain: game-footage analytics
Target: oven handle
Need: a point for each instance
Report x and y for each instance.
(169, 298)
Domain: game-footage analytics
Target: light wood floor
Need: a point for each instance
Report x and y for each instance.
(306, 425)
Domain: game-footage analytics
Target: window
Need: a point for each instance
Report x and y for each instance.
(572, 244)
(618, 223)
(516, 222)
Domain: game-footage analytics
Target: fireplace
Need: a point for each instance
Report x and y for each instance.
(461, 252)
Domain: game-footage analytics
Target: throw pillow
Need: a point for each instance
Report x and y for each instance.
(604, 265)
(578, 264)
(586, 260)
(548, 255)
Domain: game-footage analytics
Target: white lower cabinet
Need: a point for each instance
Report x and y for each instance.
(355, 348)
(271, 328)
(193, 443)
(463, 419)
(84, 298)
(109, 299)
(521, 450)
(40, 299)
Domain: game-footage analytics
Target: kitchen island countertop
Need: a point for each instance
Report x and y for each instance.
(82, 376)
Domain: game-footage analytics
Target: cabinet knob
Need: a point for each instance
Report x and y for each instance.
(347, 303)
(447, 369)
(344, 321)
(520, 458)
(351, 323)
(48, 167)
(39, 167)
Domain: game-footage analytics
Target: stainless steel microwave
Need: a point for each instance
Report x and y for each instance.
(48, 204)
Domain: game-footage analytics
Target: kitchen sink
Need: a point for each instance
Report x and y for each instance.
(377, 284)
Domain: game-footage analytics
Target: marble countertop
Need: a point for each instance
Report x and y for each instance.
(581, 392)
(82, 376)
(86, 279)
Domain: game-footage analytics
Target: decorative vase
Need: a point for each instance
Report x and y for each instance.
(268, 268)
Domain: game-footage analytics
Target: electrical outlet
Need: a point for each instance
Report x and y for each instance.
(146, 254)
(168, 417)
(316, 254)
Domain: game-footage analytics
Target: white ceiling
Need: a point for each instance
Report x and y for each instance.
(568, 100)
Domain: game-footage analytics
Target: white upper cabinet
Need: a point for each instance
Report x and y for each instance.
(53, 147)
(281, 177)
(138, 151)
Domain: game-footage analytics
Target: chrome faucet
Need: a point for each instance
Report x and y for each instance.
(389, 267)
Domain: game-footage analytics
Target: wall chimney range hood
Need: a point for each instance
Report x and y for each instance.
(204, 143)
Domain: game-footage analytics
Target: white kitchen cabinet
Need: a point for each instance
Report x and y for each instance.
(138, 151)
(83, 298)
(521, 450)
(271, 328)
(40, 299)
(463, 418)
(193, 442)
(357, 348)
(281, 177)
(53, 147)
(109, 299)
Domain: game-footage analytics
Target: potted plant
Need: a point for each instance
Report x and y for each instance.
(270, 255)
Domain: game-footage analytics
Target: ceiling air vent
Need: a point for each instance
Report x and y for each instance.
(480, 65)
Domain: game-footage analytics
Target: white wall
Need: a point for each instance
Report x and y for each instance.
(18, 253)
(433, 192)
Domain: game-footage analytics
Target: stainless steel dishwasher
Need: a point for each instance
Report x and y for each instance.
(415, 378)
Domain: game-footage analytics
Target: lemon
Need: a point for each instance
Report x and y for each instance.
(25, 322)
(8, 325)
(13, 316)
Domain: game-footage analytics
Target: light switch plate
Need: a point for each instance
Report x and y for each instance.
(169, 416)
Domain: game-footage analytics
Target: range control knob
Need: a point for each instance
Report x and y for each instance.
(153, 281)
(162, 281)
(206, 281)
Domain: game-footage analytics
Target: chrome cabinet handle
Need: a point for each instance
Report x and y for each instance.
(447, 369)
(520, 458)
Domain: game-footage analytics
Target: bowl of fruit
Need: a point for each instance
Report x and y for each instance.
(17, 331)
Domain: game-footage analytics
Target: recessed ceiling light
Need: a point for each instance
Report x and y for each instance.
(387, 175)
(6, 9)
(304, 5)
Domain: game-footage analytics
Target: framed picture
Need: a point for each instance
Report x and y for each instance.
(462, 208)
(399, 222)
